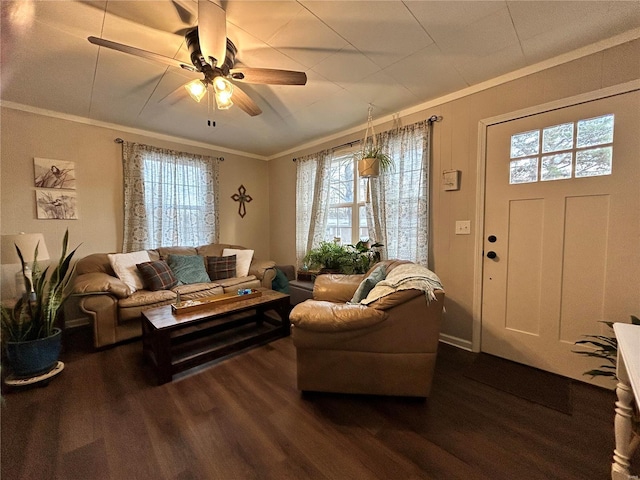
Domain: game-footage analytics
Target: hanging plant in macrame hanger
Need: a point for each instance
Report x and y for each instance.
(371, 159)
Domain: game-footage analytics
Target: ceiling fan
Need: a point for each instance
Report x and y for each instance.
(214, 55)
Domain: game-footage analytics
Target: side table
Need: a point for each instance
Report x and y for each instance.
(628, 393)
(300, 290)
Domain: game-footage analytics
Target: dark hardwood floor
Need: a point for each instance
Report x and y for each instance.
(242, 418)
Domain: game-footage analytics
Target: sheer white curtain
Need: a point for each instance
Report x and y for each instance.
(312, 198)
(170, 198)
(397, 215)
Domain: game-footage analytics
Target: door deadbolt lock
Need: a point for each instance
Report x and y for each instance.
(492, 238)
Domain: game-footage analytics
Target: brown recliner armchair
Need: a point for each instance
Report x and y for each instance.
(387, 347)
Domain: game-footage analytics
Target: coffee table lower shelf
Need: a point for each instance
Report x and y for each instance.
(187, 343)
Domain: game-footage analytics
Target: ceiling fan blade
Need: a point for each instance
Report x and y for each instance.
(268, 76)
(185, 13)
(140, 53)
(244, 102)
(212, 31)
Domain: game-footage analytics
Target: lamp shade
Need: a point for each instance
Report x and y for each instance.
(26, 242)
(197, 89)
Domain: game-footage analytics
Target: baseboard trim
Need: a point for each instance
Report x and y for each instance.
(456, 341)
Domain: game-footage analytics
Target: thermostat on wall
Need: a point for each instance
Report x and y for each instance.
(451, 179)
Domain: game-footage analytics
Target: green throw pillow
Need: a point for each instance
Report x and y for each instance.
(280, 282)
(368, 283)
(188, 268)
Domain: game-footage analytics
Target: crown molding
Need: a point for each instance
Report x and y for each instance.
(122, 128)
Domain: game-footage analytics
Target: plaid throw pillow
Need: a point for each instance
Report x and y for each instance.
(157, 275)
(221, 267)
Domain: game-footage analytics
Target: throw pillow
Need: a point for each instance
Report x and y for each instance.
(368, 283)
(280, 282)
(243, 260)
(188, 268)
(157, 275)
(221, 267)
(124, 266)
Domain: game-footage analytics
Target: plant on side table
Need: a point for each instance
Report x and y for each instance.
(29, 331)
(330, 257)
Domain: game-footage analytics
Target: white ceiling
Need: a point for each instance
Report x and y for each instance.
(391, 54)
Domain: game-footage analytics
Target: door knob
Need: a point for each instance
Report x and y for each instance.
(491, 254)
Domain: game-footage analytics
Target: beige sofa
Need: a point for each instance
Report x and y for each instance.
(115, 312)
(387, 347)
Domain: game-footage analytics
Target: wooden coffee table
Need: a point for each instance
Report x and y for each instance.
(176, 342)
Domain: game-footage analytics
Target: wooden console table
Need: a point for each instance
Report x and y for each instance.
(176, 342)
(628, 392)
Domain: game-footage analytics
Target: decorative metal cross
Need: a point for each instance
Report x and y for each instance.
(243, 198)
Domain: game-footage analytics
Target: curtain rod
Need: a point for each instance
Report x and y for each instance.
(431, 119)
(119, 140)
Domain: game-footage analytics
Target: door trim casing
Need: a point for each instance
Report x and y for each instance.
(483, 125)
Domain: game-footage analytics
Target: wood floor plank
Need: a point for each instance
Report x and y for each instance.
(242, 418)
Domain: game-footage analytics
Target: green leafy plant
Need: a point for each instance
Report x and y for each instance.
(328, 255)
(35, 314)
(372, 151)
(347, 259)
(364, 255)
(606, 348)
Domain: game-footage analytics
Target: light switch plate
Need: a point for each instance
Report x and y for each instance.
(463, 227)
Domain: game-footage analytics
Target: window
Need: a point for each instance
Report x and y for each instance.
(330, 197)
(170, 198)
(346, 214)
(575, 149)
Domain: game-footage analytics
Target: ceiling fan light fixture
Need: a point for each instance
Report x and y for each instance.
(196, 89)
(224, 90)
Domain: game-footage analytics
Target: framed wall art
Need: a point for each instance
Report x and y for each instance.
(49, 173)
(56, 204)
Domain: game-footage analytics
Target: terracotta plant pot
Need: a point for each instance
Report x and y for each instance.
(369, 167)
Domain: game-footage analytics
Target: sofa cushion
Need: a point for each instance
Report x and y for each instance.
(239, 282)
(243, 260)
(164, 252)
(147, 299)
(188, 268)
(376, 275)
(157, 275)
(221, 267)
(198, 290)
(124, 266)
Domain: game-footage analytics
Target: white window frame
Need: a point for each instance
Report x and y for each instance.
(355, 205)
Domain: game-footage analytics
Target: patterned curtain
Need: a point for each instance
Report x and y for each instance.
(397, 214)
(312, 198)
(170, 198)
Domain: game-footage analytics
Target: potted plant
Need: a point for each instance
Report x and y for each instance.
(364, 255)
(29, 330)
(328, 257)
(372, 160)
(606, 349)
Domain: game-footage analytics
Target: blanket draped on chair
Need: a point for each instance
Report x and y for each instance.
(405, 277)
